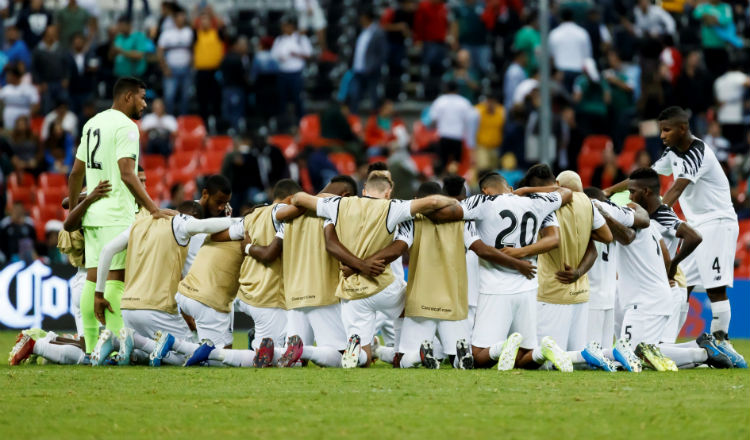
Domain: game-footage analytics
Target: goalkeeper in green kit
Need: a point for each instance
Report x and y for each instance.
(109, 151)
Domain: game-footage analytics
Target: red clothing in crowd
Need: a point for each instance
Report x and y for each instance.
(431, 22)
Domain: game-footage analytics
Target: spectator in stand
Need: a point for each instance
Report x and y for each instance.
(600, 37)
(18, 236)
(49, 250)
(652, 22)
(82, 68)
(334, 126)
(509, 169)
(717, 33)
(380, 127)
(49, 69)
(62, 114)
(310, 17)
(431, 34)
(455, 120)
(592, 95)
(642, 160)
(656, 93)
(730, 90)
(72, 20)
(176, 196)
(235, 84)
(622, 105)
(721, 145)
(58, 148)
(570, 45)
(671, 59)
(104, 59)
(15, 48)
(528, 40)
(291, 50)
(397, 22)
(207, 56)
(28, 155)
(514, 75)
(33, 21)
(175, 56)
(608, 173)
(464, 76)
(370, 53)
(160, 129)
(694, 91)
(470, 32)
(130, 50)
(18, 99)
(489, 132)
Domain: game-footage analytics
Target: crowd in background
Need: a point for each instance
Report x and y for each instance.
(468, 69)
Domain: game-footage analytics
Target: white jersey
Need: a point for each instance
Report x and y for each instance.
(237, 230)
(509, 220)
(707, 196)
(472, 263)
(667, 223)
(603, 274)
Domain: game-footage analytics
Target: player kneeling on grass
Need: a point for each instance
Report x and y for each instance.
(157, 249)
(48, 345)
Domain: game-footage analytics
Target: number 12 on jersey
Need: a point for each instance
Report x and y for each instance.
(91, 161)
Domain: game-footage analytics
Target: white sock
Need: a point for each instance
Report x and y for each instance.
(173, 358)
(722, 314)
(536, 356)
(397, 324)
(386, 354)
(410, 359)
(684, 357)
(684, 310)
(322, 356)
(496, 349)
(184, 347)
(235, 358)
(576, 357)
(59, 354)
(362, 358)
(143, 343)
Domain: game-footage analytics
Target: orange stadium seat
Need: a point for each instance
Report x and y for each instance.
(625, 160)
(153, 161)
(18, 180)
(36, 125)
(422, 136)
(180, 176)
(309, 131)
(154, 176)
(188, 143)
(596, 142)
(190, 125)
(183, 160)
(375, 159)
(424, 163)
(344, 162)
(634, 143)
(286, 144)
(51, 196)
(223, 144)
(356, 124)
(156, 192)
(21, 194)
(210, 162)
(191, 190)
(53, 180)
(41, 214)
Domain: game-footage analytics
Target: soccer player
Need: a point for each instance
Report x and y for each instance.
(157, 249)
(109, 151)
(365, 225)
(645, 295)
(506, 307)
(703, 191)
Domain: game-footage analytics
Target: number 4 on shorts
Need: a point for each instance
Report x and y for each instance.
(716, 266)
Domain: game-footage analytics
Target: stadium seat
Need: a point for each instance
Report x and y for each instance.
(210, 162)
(180, 176)
(154, 161)
(309, 131)
(634, 143)
(596, 142)
(356, 124)
(53, 180)
(51, 196)
(223, 144)
(191, 190)
(422, 136)
(183, 160)
(156, 192)
(188, 143)
(344, 163)
(190, 125)
(424, 163)
(665, 182)
(625, 160)
(36, 125)
(21, 194)
(586, 174)
(286, 144)
(744, 227)
(19, 180)
(154, 176)
(44, 213)
(375, 159)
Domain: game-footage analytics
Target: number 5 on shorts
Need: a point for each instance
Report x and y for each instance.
(627, 332)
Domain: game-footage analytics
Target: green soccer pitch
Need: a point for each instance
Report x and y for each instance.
(75, 402)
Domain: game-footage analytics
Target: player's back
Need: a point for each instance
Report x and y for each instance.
(106, 138)
(261, 284)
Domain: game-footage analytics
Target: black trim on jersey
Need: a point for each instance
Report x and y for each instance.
(665, 216)
(546, 220)
(543, 196)
(273, 217)
(692, 158)
(338, 206)
(388, 214)
(406, 228)
(475, 200)
(171, 224)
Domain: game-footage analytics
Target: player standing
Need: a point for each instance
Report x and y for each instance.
(109, 151)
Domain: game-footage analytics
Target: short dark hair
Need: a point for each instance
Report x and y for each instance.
(539, 174)
(566, 14)
(217, 183)
(127, 84)
(190, 207)
(451, 87)
(428, 189)
(377, 166)
(491, 178)
(674, 113)
(648, 178)
(595, 193)
(453, 186)
(347, 180)
(285, 188)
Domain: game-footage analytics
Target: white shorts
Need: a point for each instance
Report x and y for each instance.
(712, 263)
(270, 322)
(76, 288)
(601, 327)
(673, 325)
(148, 322)
(359, 315)
(643, 327)
(498, 316)
(319, 325)
(211, 324)
(417, 330)
(315, 21)
(567, 324)
(385, 325)
(472, 316)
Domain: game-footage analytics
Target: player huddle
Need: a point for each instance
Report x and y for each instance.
(544, 276)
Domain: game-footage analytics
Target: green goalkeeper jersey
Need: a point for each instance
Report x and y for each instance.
(106, 138)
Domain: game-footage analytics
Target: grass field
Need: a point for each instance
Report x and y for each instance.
(61, 402)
